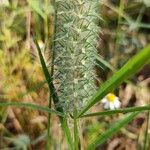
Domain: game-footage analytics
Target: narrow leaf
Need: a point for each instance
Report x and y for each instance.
(112, 112)
(63, 121)
(131, 67)
(103, 63)
(113, 129)
(31, 106)
(36, 6)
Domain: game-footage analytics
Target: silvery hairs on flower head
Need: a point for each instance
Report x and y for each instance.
(75, 51)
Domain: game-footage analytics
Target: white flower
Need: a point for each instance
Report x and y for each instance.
(110, 101)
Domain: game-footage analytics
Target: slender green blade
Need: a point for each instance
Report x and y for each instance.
(36, 6)
(31, 106)
(146, 135)
(112, 112)
(131, 67)
(103, 63)
(113, 129)
(52, 90)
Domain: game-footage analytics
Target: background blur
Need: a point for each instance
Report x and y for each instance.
(124, 29)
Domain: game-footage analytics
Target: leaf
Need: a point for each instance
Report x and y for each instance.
(31, 106)
(112, 112)
(131, 67)
(63, 121)
(103, 63)
(36, 6)
(113, 129)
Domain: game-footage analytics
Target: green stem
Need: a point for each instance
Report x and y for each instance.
(32, 107)
(47, 44)
(146, 132)
(76, 139)
(46, 25)
(54, 96)
(53, 36)
(112, 112)
(116, 56)
(49, 139)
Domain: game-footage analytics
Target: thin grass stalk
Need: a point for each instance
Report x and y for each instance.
(116, 10)
(32, 107)
(146, 140)
(139, 18)
(55, 97)
(46, 24)
(52, 67)
(112, 112)
(49, 139)
(118, 33)
(76, 136)
(47, 44)
(53, 36)
(111, 131)
(146, 132)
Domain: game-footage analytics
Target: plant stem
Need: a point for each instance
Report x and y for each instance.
(76, 139)
(146, 132)
(53, 36)
(46, 24)
(118, 33)
(47, 44)
(48, 127)
(54, 95)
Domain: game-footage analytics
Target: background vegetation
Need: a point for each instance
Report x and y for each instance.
(124, 30)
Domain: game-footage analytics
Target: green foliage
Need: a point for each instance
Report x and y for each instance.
(54, 95)
(112, 112)
(40, 8)
(131, 67)
(73, 57)
(31, 106)
(113, 129)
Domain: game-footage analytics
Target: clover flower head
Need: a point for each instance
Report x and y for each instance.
(111, 101)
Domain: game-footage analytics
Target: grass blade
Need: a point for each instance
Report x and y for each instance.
(63, 121)
(36, 6)
(112, 112)
(31, 106)
(131, 67)
(146, 136)
(113, 129)
(103, 63)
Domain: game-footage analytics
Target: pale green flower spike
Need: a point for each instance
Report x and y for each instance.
(75, 51)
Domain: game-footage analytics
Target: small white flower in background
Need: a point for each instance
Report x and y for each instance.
(111, 101)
